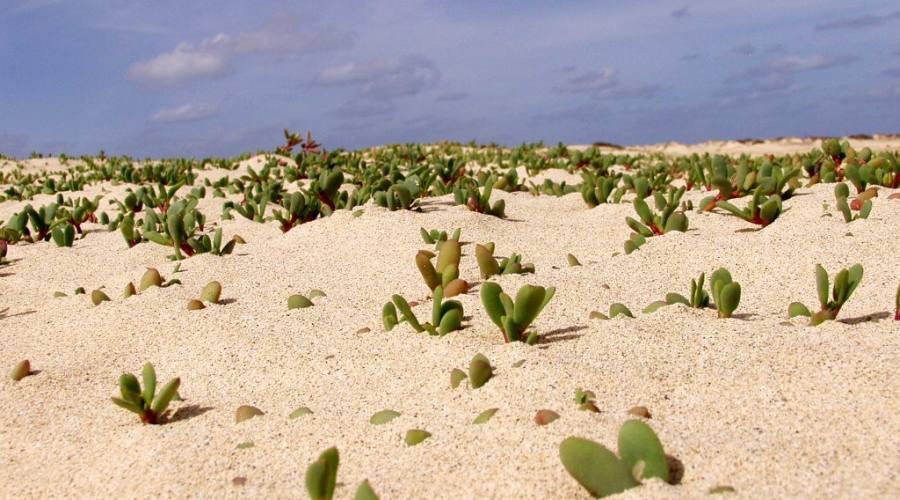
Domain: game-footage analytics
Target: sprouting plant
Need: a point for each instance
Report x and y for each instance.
(436, 237)
(298, 209)
(897, 305)
(480, 371)
(725, 292)
(321, 478)
(602, 473)
(489, 266)
(400, 196)
(653, 224)
(147, 404)
(480, 201)
(64, 235)
(845, 282)
(761, 210)
(321, 475)
(445, 316)
(447, 269)
(586, 400)
(841, 193)
(21, 370)
(514, 318)
(615, 309)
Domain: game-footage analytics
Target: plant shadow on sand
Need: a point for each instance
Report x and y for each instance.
(561, 334)
(3, 314)
(188, 412)
(865, 318)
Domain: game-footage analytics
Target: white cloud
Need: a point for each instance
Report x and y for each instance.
(384, 79)
(214, 56)
(184, 113)
(590, 81)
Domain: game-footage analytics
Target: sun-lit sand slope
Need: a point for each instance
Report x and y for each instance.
(767, 405)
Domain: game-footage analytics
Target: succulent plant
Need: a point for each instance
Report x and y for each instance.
(761, 210)
(484, 416)
(841, 193)
(845, 282)
(299, 412)
(416, 436)
(725, 292)
(151, 277)
(489, 266)
(147, 404)
(572, 260)
(389, 316)
(445, 316)
(514, 318)
(586, 400)
(653, 224)
(129, 290)
(544, 417)
(298, 301)
(21, 370)
(64, 235)
(615, 309)
(436, 237)
(480, 202)
(400, 196)
(897, 305)
(480, 371)
(195, 305)
(365, 492)
(321, 475)
(447, 269)
(298, 209)
(382, 417)
(602, 473)
(98, 296)
(456, 377)
(246, 412)
(211, 292)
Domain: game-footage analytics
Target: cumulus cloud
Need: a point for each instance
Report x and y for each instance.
(184, 113)
(384, 78)
(215, 56)
(590, 81)
(859, 22)
(378, 83)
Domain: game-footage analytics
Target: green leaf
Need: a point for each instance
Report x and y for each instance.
(383, 417)
(638, 443)
(595, 468)
(485, 416)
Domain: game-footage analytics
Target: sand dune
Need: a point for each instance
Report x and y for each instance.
(768, 405)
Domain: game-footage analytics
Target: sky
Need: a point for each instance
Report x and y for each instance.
(199, 78)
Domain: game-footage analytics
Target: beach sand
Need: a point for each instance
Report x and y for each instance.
(767, 405)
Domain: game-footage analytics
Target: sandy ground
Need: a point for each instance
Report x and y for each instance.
(771, 407)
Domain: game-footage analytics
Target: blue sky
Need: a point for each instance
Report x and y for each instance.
(218, 77)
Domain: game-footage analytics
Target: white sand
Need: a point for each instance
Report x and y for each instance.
(771, 407)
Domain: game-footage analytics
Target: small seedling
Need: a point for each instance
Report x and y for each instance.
(383, 417)
(98, 296)
(147, 404)
(211, 292)
(298, 301)
(514, 318)
(416, 436)
(484, 416)
(480, 371)
(489, 266)
(654, 224)
(845, 282)
(445, 316)
(321, 475)
(586, 400)
(761, 210)
(864, 203)
(246, 412)
(615, 309)
(21, 370)
(447, 269)
(602, 473)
